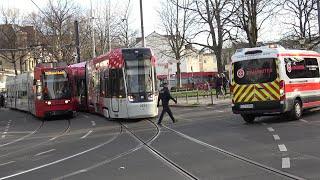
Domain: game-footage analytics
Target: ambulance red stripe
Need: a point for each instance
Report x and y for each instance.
(292, 87)
(311, 104)
(299, 54)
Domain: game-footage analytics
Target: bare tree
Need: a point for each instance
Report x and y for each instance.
(251, 15)
(12, 40)
(215, 15)
(177, 21)
(303, 21)
(56, 24)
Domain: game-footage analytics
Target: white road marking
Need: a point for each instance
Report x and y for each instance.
(305, 121)
(270, 129)
(282, 147)
(86, 134)
(286, 162)
(276, 137)
(5, 132)
(264, 124)
(44, 152)
(7, 163)
(230, 153)
(3, 136)
(93, 123)
(58, 161)
(53, 138)
(86, 116)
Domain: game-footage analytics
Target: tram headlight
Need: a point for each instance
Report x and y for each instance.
(150, 97)
(48, 102)
(130, 98)
(66, 101)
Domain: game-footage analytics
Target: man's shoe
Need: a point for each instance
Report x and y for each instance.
(159, 124)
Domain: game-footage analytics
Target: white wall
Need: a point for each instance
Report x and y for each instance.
(162, 50)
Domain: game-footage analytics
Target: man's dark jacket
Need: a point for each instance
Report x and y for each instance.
(165, 96)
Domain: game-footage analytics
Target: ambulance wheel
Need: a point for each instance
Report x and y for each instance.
(249, 118)
(296, 111)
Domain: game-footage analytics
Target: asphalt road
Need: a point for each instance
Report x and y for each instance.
(205, 143)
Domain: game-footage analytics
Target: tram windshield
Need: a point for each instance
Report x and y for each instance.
(139, 72)
(56, 85)
(139, 76)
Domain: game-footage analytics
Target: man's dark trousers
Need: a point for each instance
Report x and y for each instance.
(166, 109)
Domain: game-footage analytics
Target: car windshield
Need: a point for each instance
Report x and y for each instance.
(255, 71)
(56, 85)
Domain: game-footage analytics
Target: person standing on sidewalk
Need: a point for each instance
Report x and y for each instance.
(219, 83)
(225, 83)
(165, 96)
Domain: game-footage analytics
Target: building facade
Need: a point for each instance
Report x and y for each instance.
(191, 62)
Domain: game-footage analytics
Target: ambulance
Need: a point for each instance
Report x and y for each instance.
(272, 80)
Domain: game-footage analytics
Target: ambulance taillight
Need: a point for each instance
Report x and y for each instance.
(282, 91)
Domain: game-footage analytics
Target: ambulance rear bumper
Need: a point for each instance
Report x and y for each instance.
(259, 108)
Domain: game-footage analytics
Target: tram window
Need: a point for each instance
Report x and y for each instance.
(115, 87)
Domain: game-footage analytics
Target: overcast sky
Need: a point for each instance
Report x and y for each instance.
(149, 7)
(271, 30)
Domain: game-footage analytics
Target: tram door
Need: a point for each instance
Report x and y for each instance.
(115, 93)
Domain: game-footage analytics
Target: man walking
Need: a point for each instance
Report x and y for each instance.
(219, 83)
(1, 100)
(165, 96)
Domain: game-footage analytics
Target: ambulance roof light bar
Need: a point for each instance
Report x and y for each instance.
(271, 46)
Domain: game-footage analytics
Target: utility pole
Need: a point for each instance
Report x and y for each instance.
(318, 7)
(76, 29)
(109, 17)
(92, 32)
(142, 28)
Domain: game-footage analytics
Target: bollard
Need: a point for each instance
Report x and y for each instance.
(187, 97)
(211, 94)
(198, 96)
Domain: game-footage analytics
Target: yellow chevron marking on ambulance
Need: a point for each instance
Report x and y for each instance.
(246, 92)
(239, 92)
(247, 99)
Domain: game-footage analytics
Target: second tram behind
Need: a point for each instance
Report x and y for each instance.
(44, 92)
(122, 84)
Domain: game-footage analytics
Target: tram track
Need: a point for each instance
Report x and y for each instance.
(24, 137)
(58, 135)
(238, 157)
(130, 151)
(162, 157)
(66, 158)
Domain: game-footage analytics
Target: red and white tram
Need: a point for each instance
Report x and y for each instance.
(44, 92)
(77, 76)
(122, 84)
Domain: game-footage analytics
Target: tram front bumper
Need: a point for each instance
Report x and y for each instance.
(142, 110)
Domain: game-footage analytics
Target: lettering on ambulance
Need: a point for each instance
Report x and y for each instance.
(256, 80)
(303, 72)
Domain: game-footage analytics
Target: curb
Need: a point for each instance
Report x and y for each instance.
(200, 105)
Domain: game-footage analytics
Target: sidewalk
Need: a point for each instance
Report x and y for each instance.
(201, 101)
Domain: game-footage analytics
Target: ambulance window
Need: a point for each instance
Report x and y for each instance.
(255, 71)
(302, 68)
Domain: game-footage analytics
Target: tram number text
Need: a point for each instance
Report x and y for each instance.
(143, 106)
